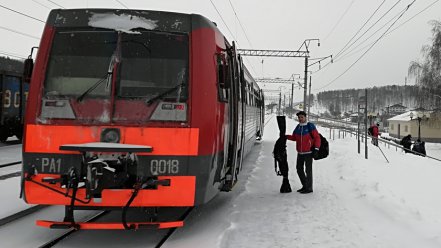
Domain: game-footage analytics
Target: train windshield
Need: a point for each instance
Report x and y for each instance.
(143, 64)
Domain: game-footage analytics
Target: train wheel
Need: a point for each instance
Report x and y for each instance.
(3, 134)
(19, 135)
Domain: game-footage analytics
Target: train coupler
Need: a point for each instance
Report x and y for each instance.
(154, 183)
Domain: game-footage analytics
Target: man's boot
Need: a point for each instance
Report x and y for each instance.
(286, 187)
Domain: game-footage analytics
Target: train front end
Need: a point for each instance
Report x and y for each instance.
(108, 123)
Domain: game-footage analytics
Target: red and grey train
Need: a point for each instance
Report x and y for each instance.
(134, 109)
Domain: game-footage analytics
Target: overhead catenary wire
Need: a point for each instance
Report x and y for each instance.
(35, 1)
(18, 32)
(232, 35)
(375, 23)
(339, 20)
(20, 13)
(426, 8)
(222, 19)
(351, 52)
(344, 72)
(240, 23)
(343, 51)
(344, 54)
(359, 30)
(246, 36)
(13, 55)
(122, 4)
(55, 4)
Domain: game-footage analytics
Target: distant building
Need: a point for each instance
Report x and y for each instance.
(396, 109)
(402, 125)
(354, 117)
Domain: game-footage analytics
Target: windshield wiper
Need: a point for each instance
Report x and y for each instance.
(91, 88)
(161, 95)
(107, 78)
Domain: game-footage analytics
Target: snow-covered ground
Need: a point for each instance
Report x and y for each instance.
(357, 202)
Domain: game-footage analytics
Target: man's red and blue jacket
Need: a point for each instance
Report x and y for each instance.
(302, 136)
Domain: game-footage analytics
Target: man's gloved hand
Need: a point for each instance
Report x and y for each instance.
(315, 152)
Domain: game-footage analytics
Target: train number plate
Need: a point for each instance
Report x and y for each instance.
(164, 166)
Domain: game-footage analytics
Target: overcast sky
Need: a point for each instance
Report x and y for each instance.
(278, 25)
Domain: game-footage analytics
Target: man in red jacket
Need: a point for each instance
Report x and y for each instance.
(307, 141)
(375, 133)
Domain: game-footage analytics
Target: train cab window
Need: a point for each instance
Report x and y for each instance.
(78, 60)
(153, 63)
(148, 63)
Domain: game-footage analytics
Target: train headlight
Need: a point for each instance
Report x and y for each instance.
(110, 135)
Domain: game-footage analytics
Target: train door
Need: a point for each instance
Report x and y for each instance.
(233, 122)
(242, 114)
(262, 113)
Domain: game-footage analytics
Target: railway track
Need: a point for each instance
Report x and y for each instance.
(72, 231)
(172, 230)
(10, 175)
(10, 164)
(101, 214)
(21, 214)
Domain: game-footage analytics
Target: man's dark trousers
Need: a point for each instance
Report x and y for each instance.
(305, 160)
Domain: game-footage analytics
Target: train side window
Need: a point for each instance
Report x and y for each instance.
(222, 77)
(249, 95)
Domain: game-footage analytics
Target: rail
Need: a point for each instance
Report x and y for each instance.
(9, 164)
(72, 230)
(381, 139)
(21, 214)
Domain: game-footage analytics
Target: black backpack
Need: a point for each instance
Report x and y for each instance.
(323, 151)
(371, 131)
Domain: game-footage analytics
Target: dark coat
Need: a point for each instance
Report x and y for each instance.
(406, 142)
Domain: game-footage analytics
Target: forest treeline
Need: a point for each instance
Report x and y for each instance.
(338, 102)
(425, 94)
(11, 65)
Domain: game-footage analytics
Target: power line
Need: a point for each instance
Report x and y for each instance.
(240, 23)
(230, 32)
(18, 32)
(407, 8)
(385, 24)
(22, 14)
(12, 55)
(372, 15)
(339, 20)
(343, 51)
(223, 20)
(35, 1)
(125, 6)
(351, 52)
(388, 33)
(429, 6)
(55, 4)
(370, 27)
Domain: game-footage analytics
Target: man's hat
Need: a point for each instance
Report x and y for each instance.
(301, 113)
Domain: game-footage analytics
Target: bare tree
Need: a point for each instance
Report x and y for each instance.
(427, 73)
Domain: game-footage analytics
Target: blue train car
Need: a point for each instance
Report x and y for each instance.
(13, 95)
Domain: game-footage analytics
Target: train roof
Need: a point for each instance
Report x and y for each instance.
(8, 65)
(127, 20)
